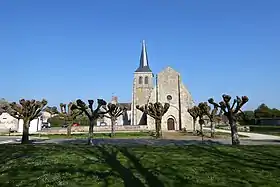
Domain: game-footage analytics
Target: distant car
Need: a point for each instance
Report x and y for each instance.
(46, 125)
(64, 125)
(75, 125)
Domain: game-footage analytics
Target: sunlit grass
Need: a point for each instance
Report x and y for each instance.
(81, 165)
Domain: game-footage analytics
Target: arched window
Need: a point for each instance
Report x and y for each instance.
(146, 80)
(140, 80)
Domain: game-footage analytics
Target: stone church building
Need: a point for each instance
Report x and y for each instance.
(165, 87)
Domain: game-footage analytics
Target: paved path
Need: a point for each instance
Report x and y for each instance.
(8, 139)
(251, 136)
(253, 139)
(17, 139)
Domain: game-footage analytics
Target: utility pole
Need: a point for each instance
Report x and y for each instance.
(179, 103)
(132, 118)
(156, 88)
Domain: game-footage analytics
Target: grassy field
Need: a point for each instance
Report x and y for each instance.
(81, 165)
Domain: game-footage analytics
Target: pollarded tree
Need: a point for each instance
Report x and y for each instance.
(27, 110)
(69, 115)
(114, 111)
(194, 111)
(219, 117)
(52, 110)
(203, 109)
(92, 114)
(66, 113)
(230, 111)
(213, 117)
(156, 111)
(3, 105)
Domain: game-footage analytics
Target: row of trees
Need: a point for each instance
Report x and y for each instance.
(249, 117)
(28, 110)
(31, 109)
(231, 110)
(263, 111)
(223, 108)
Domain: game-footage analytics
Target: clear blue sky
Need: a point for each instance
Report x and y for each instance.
(62, 50)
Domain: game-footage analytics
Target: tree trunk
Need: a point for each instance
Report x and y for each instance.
(212, 129)
(69, 127)
(201, 131)
(113, 121)
(90, 131)
(25, 132)
(194, 129)
(234, 134)
(158, 128)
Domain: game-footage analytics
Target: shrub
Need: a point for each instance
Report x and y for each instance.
(257, 128)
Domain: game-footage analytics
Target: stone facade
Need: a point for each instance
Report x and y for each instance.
(168, 92)
(142, 90)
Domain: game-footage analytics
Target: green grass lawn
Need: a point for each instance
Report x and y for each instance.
(96, 135)
(81, 165)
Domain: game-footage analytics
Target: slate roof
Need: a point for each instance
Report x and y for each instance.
(144, 63)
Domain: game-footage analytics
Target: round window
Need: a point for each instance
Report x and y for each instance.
(169, 97)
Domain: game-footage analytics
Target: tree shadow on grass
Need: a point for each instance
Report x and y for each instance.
(110, 157)
(129, 175)
(33, 166)
(153, 166)
(141, 142)
(150, 178)
(29, 166)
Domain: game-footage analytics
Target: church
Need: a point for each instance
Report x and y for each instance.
(168, 88)
(165, 87)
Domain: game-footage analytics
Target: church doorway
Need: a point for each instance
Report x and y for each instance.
(170, 124)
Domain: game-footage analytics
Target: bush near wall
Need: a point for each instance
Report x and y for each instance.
(263, 128)
(58, 122)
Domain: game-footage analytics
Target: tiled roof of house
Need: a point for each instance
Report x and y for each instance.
(126, 105)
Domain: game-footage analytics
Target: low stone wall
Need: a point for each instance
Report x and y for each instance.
(81, 129)
(239, 128)
(4, 130)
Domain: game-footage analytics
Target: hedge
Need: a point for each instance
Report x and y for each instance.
(263, 128)
(58, 122)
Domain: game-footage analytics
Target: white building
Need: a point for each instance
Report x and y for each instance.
(7, 122)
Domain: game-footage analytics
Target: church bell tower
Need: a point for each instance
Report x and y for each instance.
(142, 87)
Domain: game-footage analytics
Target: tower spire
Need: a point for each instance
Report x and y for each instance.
(144, 63)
